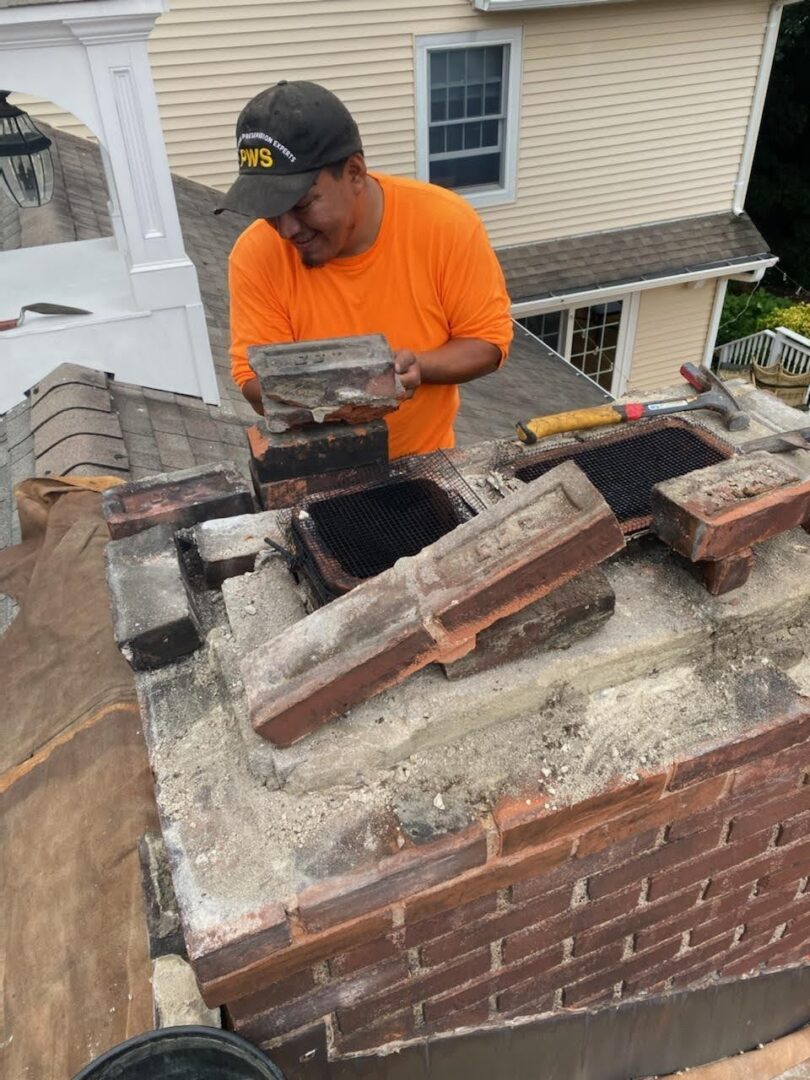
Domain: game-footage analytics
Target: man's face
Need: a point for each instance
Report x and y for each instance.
(321, 224)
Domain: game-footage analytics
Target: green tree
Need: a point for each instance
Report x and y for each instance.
(779, 195)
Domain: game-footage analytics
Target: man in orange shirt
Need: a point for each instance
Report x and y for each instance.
(336, 251)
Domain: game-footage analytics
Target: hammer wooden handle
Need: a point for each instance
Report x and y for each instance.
(577, 420)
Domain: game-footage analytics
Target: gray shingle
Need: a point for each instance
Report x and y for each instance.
(599, 260)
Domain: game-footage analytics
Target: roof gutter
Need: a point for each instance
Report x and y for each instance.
(758, 103)
(753, 269)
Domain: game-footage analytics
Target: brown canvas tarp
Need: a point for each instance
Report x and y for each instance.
(75, 795)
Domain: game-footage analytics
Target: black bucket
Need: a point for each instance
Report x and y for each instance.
(182, 1053)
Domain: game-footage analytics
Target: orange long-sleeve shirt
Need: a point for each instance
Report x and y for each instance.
(430, 276)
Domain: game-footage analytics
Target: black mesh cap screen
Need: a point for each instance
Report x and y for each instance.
(625, 471)
(367, 531)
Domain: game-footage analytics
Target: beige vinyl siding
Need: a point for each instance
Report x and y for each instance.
(631, 113)
(672, 327)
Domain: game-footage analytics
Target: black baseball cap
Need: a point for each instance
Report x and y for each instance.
(284, 137)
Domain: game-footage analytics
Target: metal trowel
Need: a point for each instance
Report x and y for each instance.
(42, 309)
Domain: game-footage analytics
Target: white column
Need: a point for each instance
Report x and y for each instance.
(119, 64)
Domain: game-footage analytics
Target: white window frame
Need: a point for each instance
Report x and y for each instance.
(624, 344)
(488, 195)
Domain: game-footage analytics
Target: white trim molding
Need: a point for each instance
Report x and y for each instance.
(512, 38)
(757, 105)
(626, 343)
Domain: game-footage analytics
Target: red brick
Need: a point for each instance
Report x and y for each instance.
(418, 988)
(399, 1025)
(363, 956)
(668, 855)
(294, 1047)
(777, 910)
(703, 960)
(396, 623)
(725, 913)
(156, 617)
(538, 971)
(589, 992)
(602, 964)
(571, 612)
(179, 499)
(342, 993)
(636, 921)
(474, 1016)
(303, 952)
(225, 949)
(491, 929)
(573, 922)
(772, 870)
(335, 450)
(719, 511)
(794, 829)
(669, 808)
(448, 921)
(521, 826)
(640, 969)
(352, 379)
(798, 931)
(581, 866)
(470, 998)
(769, 814)
(725, 575)
(778, 734)
(497, 874)
(739, 800)
(345, 896)
(278, 993)
(709, 865)
(524, 1001)
(528, 998)
(787, 765)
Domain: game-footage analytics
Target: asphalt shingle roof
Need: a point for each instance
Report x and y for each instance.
(621, 256)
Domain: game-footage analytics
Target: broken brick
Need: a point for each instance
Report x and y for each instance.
(574, 611)
(228, 547)
(429, 606)
(318, 449)
(181, 499)
(226, 948)
(348, 379)
(154, 619)
(724, 575)
(719, 512)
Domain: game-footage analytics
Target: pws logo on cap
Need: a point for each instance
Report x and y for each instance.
(260, 157)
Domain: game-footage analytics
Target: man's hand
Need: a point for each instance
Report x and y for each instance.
(406, 365)
(252, 391)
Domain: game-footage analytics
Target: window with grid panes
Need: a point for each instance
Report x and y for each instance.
(467, 115)
(468, 88)
(549, 327)
(595, 340)
(587, 337)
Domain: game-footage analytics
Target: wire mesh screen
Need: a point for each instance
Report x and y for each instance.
(625, 466)
(350, 535)
(367, 531)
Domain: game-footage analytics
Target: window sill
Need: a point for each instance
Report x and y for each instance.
(481, 198)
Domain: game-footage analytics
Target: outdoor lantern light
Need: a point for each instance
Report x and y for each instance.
(26, 168)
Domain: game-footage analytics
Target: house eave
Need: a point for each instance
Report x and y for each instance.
(551, 302)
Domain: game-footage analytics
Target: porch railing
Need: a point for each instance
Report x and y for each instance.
(767, 348)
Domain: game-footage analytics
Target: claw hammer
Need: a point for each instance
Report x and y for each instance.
(712, 395)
